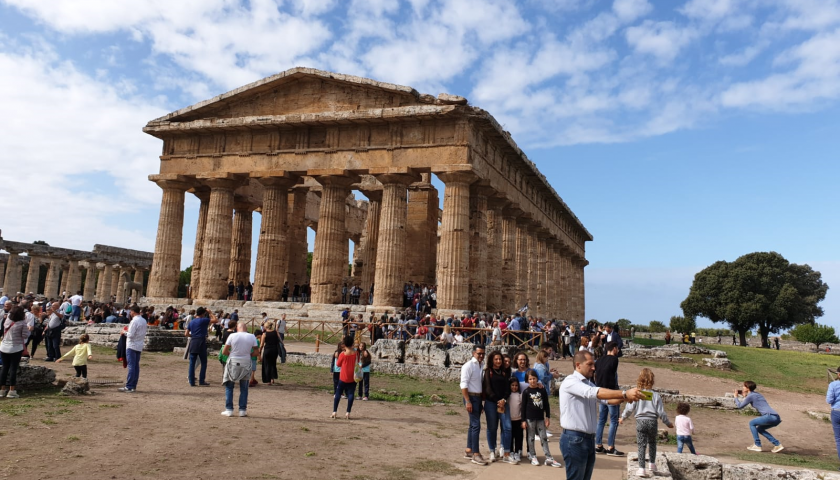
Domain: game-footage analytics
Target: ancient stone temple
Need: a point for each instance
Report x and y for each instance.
(504, 237)
(107, 271)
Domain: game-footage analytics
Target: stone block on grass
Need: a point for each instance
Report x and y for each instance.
(422, 352)
(662, 470)
(718, 363)
(388, 350)
(685, 466)
(756, 471)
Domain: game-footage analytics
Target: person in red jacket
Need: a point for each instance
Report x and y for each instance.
(346, 361)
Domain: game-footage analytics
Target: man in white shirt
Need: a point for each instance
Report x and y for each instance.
(135, 338)
(579, 415)
(471, 389)
(76, 300)
(240, 347)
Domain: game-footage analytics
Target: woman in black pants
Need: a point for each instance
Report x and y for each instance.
(365, 358)
(270, 345)
(11, 349)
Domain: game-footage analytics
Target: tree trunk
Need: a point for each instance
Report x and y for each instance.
(743, 337)
(764, 333)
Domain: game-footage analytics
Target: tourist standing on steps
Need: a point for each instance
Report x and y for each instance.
(239, 348)
(579, 399)
(11, 349)
(135, 337)
(606, 376)
(197, 332)
(769, 418)
(832, 397)
(471, 388)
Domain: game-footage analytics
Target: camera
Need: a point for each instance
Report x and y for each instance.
(740, 392)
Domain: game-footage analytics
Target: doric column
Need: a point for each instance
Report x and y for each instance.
(508, 262)
(14, 273)
(218, 234)
(329, 260)
(166, 264)
(53, 273)
(391, 264)
(494, 273)
(33, 276)
(90, 281)
(122, 277)
(533, 270)
(539, 278)
(298, 246)
(240, 245)
(453, 267)
(115, 280)
(521, 288)
(62, 288)
(203, 195)
(138, 278)
(478, 248)
(272, 249)
(553, 268)
(370, 242)
(103, 287)
(3, 263)
(421, 231)
(565, 283)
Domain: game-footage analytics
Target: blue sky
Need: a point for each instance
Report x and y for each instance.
(680, 132)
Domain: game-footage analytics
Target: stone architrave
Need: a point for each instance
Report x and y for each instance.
(454, 252)
(53, 273)
(166, 266)
(298, 246)
(34, 274)
(329, 260)
(203, 195)
(272, 250)
(478, 248)
(391, 262)
(215, 261)
(90, 281)
(240, 245)
(14, 274)
(508, 262)
(495, 270)
(370, 241)
(521, 289)
(421, 228)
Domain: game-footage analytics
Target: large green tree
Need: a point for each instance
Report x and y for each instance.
(816, 334)
(657, 327)
(759, 290)
(683, 324)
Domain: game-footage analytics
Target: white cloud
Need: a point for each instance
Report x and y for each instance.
(708, 10)
(630, 10)
(742, 58)
(663, 40)
(67, 128)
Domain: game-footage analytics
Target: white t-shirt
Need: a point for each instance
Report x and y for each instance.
(240, 345)
(76, 300)
(281, 326)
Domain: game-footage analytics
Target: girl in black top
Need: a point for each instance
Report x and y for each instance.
(536, 417)
(496, 389)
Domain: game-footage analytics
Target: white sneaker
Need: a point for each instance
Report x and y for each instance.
(550, 462)
(641, 473)
(227, 413)
(778, 448)
(754, 448)
(652, 467)
(535, 462)
(492, 457)
(243, 413)
(548, 434)
(510, 459)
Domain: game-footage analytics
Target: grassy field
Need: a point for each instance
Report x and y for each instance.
(786, 370)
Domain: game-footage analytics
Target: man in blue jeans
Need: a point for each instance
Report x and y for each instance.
(197, 333)
(769, 418)
(606, 376)
(579, 399)
(471, 388)
(135, 336)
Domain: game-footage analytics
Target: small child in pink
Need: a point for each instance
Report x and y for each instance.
(685, 428)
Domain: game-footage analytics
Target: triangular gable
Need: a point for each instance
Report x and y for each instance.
(300, 90)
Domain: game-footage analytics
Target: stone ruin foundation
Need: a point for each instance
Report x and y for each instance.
(683, 466)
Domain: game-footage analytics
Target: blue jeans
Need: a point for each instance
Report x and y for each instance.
(53, 344)
(578, 454)
(493, 419)
(761, 424)
(202, 357)
(77, 312)
(348, 389)
(243, 395)
(602, 421)
(835, 424)
(133, 360)
(685, 440)
(475, 424)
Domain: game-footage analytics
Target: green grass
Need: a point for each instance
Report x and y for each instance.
(790, 460)
(650, 342)
(799, 372)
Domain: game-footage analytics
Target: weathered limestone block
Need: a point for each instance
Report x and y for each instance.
(719, 403)
(662, 470)
(421, 352)
(718, 363)
(685, 466)
(388, 350)
(460, 354)
(76, 386)
(504, 349)
(693, 349)
(719, 354)
(323, 360)
(418, 371)
(35, 376)
(826, 417)
(755, 471)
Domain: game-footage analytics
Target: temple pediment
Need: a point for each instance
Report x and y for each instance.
(302, 91)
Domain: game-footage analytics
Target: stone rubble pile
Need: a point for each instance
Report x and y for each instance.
(674, 354)
(683, 466)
